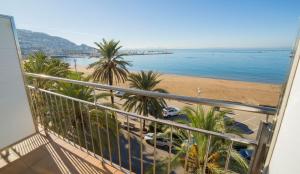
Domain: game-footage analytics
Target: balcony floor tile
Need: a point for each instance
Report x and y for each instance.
(42, 154)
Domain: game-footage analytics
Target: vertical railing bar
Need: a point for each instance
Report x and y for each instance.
(70, 120)
(206, 154)
(170, 150)
(154, 150)
(38, 118)
(187, 152)
(64, 118)
(94, 95)
(43, 113)
(55, 98)
(83, 126)
(48, 109)
(141, 144)
(118, 142)
(129, 144)
(33, 105)
(52, 112)
(97, 119)
(99, 134)
(48, 105)
(252, 159)
(89, 117)
(76, 126)
(108, 138)
(228, 156)
(54, 116)
(39, 98)
(36, 107)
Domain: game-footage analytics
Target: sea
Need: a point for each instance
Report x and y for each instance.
(252, 65)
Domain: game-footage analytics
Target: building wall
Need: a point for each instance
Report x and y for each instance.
(15, 117)
(285, 157)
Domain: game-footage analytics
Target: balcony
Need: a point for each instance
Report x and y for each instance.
(49, 154)
(83, 136)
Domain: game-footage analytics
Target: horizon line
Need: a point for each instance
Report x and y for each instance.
(168, 48)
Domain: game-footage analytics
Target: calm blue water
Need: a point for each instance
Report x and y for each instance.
(254, 65)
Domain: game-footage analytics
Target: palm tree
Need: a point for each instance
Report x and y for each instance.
(79, 92)
(211, 120)
(39, 63)
(111, 65)
(79, 122)
(143, 104)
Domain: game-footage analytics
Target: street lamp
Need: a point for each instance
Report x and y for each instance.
(198, 91)
(75, 65)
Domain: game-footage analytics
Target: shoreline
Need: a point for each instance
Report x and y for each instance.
(253, 93)
(215, 78)
(81, 67)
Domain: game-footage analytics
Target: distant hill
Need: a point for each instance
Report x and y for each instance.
(52, 45)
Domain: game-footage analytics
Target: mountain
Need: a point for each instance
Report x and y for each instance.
(52, 45)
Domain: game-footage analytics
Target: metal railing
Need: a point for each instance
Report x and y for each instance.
(98, 129)
(204, 101)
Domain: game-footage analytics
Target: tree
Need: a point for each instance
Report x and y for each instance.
(211, 120)
(144, 104)
(79, 91)
(111, 65)
(39, 63)
(81, 120)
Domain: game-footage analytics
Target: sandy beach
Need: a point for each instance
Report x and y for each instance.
(238, 91)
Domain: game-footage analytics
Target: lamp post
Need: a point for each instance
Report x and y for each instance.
(198, 91)
(75, 65)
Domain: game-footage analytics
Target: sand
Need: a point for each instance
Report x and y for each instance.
(238, 91)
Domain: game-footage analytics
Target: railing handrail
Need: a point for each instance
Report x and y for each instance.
(161, 121)
(204, 101)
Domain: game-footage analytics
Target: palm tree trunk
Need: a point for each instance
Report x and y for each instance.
(112, 97)
(144, 124)
(110, 82)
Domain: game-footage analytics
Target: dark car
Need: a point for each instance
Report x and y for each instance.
(246, 153)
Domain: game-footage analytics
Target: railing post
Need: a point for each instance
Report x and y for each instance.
(260, 152)
(39, 116)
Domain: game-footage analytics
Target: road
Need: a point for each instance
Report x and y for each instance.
(135, 152)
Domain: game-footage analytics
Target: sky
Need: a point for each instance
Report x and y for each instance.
(163, 23)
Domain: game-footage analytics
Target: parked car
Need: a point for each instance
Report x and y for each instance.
(229, 121)
(239, 146)
(229, 118)
(127, 125)
(246, 153)
(188, 143)
(170, 111)
(119, 93)
(148, 137)
(161, 141)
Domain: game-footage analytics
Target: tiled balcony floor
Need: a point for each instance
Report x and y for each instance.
(47, 155)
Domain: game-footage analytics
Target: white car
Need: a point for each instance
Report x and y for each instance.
(170, 111)
(119, 93)
(149, 136)
(160, 140)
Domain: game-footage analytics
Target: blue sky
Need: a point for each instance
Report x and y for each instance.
(163, 23)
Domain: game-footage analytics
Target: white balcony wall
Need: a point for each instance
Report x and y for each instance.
(15, 117)
(286, 153)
